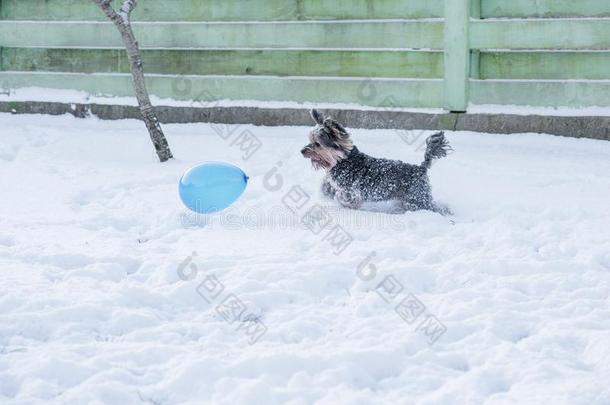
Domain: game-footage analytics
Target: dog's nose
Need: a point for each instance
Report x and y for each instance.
(304, 151)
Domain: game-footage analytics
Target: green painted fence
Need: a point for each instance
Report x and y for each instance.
(386, 53)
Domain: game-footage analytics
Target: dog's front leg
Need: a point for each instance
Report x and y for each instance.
(327, 189)
(349, 199)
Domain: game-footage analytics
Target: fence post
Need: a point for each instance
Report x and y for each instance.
(475, 54)
(456, 55)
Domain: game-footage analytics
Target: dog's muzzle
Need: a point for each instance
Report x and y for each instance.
(306, 151)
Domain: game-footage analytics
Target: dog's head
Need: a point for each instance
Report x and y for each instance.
(329, 142)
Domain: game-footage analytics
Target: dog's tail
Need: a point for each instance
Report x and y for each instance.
(436, 148)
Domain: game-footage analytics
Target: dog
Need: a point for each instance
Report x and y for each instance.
(354, 178)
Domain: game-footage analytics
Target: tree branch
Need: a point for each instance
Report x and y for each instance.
(126, 9)
(106, 7)
(123, 24)
(124, 13)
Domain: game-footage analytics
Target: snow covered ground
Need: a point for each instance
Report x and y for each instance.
(110, 292)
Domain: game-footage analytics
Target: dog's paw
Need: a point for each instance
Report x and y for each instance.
(328, 190)
(442, 209)
(349, 199)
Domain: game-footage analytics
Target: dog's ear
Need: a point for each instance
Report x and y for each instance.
(317, 116)
(335, 128)
(338, 127)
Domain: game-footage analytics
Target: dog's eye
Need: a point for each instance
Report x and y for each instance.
(316, 144)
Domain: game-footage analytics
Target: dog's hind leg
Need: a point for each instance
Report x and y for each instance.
(441, 209)
(420, 198)
(408, 206)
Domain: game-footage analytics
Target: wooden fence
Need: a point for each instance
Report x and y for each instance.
(386, 53)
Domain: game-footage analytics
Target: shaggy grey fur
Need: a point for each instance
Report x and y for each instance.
(354, 178)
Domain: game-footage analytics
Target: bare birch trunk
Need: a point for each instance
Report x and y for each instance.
(121, 20)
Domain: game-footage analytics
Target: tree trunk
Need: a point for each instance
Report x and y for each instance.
(122, 21)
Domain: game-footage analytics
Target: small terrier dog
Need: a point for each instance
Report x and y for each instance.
(354, 178)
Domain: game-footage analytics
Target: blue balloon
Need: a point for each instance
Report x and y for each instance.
(211, 187)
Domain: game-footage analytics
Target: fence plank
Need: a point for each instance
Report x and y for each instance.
(424, 93)
(545, 65)
(230, 62)
(545, 8)
(227, 10)
(279, 38)
(457, 58)
(331, 34)
(591, 33)
(541, 93)
(366, 9)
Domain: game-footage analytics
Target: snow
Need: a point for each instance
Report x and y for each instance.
(93, 308)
